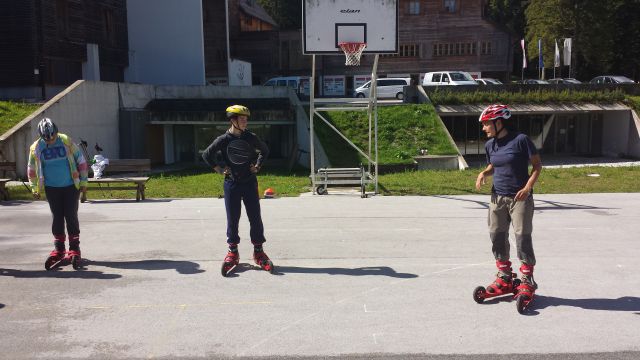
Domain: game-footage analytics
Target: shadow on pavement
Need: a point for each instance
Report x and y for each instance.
(363, 271)
(625, 303)
(15, 202)
(1, 306)
(182, 267)
(124, 201)
(557, 205)
(61, 274)
(548, 204)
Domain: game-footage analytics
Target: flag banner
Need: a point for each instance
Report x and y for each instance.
(524, 55)
(540, 60)
(567, 51)
(556, 59)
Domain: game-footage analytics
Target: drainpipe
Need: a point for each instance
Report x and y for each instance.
(226, 9)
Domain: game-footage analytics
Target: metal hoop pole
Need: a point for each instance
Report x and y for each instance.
(312, 152)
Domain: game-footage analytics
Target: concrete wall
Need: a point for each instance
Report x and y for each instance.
(166, 42)
(615, 133)
(87, 110)
(634, 135)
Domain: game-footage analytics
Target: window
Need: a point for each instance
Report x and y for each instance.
(62, 18)
(450, 6)
(414, 7)
(407, 50)
(436, 77)
(458, 49)
(282, 82)
(445, 78)
(485, 48)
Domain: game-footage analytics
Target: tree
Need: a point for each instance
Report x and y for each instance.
(508, 13)
(287, 13)
(627, 42)
(591, 25)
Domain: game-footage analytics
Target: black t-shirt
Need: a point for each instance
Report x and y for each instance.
(238, 153)
(510, 159)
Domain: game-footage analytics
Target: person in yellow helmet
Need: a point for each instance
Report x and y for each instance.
(239, 154)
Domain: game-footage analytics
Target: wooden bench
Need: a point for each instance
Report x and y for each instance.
(341, 177)
(4, 167)
(134, 166)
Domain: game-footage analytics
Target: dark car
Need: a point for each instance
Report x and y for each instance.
(611, 79)
(535, 82)
(565, 81)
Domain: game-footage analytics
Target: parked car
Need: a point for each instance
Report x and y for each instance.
(535, 82)
(488, 81)
(448, 78)
(299, 83)
(564, 81)
(386, 87)
(611, 79)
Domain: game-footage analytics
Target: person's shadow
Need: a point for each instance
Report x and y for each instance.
(58, 273)
(182, 267)
(361, 271)
(625, 303)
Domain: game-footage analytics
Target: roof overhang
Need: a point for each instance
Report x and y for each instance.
(525, 109)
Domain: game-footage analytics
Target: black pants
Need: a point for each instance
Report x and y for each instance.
(234, 194)
(63, 202)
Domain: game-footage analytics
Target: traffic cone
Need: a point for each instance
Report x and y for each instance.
(269, 193)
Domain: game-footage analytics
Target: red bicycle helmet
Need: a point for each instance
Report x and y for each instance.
(495, 112)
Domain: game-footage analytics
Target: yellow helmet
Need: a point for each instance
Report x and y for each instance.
(235, 110)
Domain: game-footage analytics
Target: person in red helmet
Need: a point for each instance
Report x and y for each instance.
(509, 154)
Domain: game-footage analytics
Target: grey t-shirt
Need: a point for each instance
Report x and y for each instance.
(510, 159)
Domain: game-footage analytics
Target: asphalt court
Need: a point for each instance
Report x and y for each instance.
(383, 277)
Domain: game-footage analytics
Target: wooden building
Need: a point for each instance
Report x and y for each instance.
(45, 44)
(253, 37)
(433, 35)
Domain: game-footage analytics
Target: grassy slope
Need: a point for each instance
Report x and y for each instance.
(12, 113)
(402, 130)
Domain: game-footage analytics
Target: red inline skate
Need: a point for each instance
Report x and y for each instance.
(230, 261)
(526, 290)
(57, 255)
(505, 283)
(262, 260)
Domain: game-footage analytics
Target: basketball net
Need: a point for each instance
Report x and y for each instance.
(353, 52)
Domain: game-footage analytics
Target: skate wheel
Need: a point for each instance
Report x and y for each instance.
(51, 263)
(268, 266)
(226, 268)
(521, 304)
(76, 262)
(479, 294)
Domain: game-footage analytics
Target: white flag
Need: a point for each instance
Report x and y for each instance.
(556, 59)
(524, 55)
(567, 51)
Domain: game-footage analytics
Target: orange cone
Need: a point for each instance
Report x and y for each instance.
(269, 193)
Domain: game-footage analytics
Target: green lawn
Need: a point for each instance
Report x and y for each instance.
(12, 113)
(196, 183)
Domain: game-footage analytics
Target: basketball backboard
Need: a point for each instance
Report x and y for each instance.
(329, 22)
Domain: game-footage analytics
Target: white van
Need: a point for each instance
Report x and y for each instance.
(299, 83)
(448, 78)
(387, 88)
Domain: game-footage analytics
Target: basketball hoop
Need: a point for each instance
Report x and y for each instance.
(352, 52)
